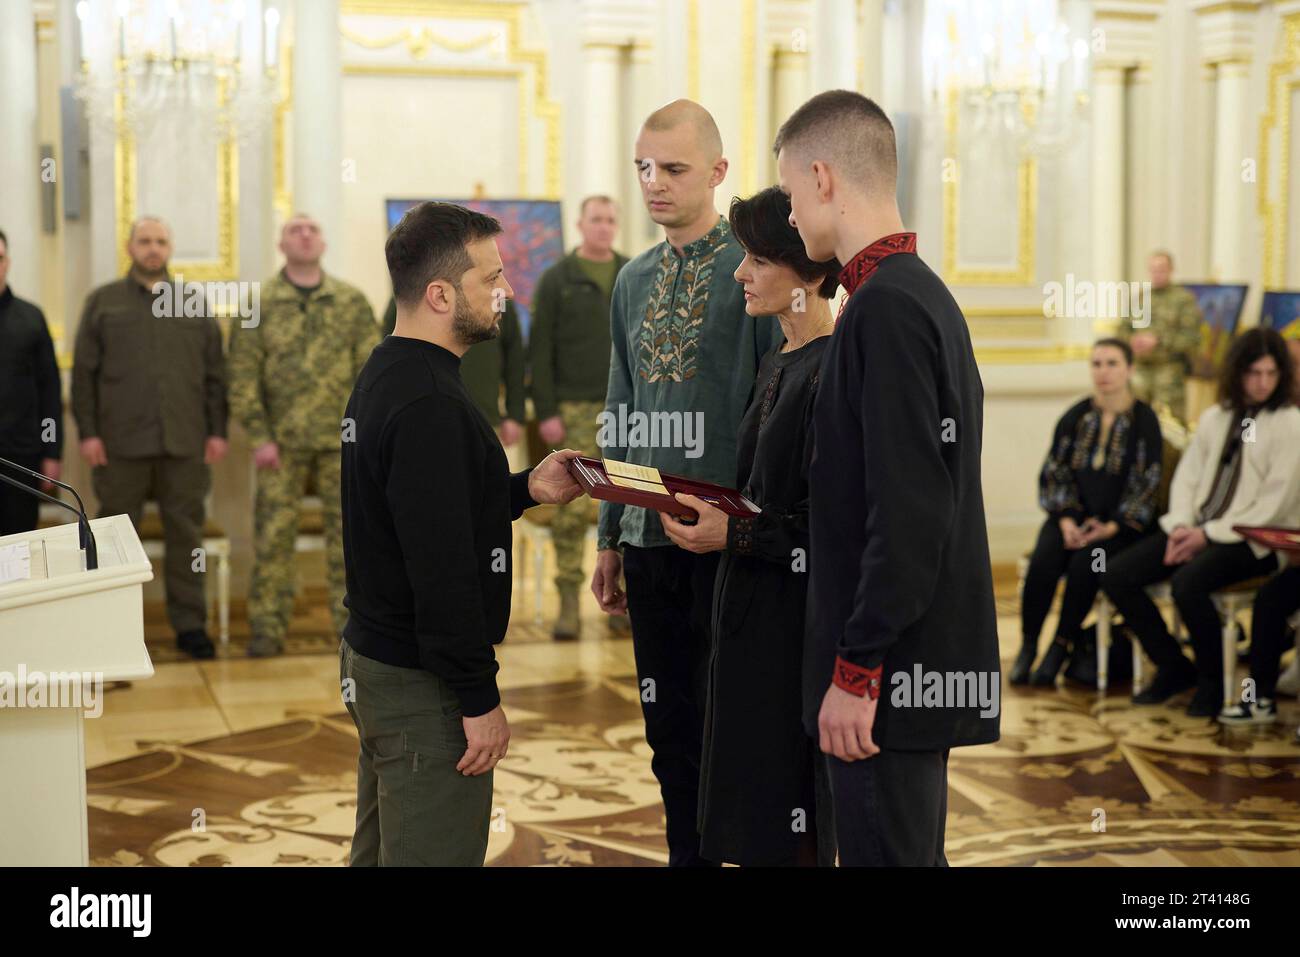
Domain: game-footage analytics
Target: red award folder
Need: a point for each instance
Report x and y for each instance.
(1271, 536)
(649, 488)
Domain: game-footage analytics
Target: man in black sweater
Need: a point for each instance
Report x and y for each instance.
(901, 594)
(31, 403)
(427, 504)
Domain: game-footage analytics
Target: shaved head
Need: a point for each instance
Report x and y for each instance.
(299, 218)
(690, 113)
(155, 220)
(850, 134)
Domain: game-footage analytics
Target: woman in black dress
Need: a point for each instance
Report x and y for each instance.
(1099, 487)
(758, 789)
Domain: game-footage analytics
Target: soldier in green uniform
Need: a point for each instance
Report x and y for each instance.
(290, 377)
(568, 350)
(486, 368)
(149, 399)
(1165, 349)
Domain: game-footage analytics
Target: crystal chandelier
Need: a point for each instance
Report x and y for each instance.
(1012, 69)
(145, 61)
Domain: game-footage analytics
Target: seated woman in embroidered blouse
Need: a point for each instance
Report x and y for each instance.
(761, 802)
(1099, 488)
(1242, 467)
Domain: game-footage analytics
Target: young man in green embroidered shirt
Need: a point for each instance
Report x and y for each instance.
(683, 361)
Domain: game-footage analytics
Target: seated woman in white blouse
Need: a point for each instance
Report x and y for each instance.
(1242, 467)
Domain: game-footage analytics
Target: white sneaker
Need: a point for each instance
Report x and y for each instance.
(1288, 683)
(1263, 711)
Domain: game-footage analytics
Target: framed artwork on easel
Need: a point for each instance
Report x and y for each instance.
(532, 239)
(1220, 307)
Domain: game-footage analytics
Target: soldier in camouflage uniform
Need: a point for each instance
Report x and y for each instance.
(1165, 349)
(568, 350)
(290, 378)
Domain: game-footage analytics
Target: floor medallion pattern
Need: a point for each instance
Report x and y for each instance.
(1074, 780)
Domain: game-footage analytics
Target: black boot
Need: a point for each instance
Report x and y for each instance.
(1169, 681)
(1044, 675)
(195, 643)
(1207, 701)
(1024, 661)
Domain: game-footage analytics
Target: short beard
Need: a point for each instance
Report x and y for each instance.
(466, 330)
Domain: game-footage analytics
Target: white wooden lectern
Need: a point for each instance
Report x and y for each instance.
(61, 620)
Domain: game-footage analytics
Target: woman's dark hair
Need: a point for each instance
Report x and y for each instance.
(1119, 344)
(1247, 349)
(762, 224)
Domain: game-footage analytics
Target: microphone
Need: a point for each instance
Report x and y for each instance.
(87, 537)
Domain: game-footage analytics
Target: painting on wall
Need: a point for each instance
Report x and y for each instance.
(1220, 313)
(1281, 310)
(531, 239)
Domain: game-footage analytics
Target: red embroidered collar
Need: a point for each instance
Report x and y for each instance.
(859, 269)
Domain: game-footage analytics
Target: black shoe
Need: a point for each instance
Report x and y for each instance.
(1168, 682)
(1044, 675)
(1207, 701)
(1024, 661)
(196, 644)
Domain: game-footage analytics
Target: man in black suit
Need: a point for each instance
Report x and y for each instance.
(901, 594)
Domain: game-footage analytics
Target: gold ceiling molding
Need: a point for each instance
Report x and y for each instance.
(1232, 61)
(1227, 6)
(1274, 209)
(1141, 15)
(521, 63)
(1022, 274)
(435, 9)
(629, 44)
(419, 41)
(126, 200)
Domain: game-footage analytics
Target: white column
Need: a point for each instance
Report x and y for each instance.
(317, 124)
(1107, 198)
(789, 84)
(1231, 197)
(601, 146)
(872, 46)
(19, 159)
(835, 45)
(639, 230)
(672, 50)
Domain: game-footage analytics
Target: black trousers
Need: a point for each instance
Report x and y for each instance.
(1050, 560)
(890, 809)
(670, 601)
(1192, 583)
(1276, 602)
(19, 510)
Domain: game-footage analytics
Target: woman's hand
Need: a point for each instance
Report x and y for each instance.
(708, 534)
(1071, 534)
(1095, 530)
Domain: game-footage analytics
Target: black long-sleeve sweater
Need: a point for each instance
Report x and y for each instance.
(428, 499)
(900, 573)
(30, 391)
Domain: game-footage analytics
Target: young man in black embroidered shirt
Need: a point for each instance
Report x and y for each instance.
(427, 504)
(900, 595)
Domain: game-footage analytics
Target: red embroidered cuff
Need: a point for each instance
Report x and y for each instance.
(857, 680)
